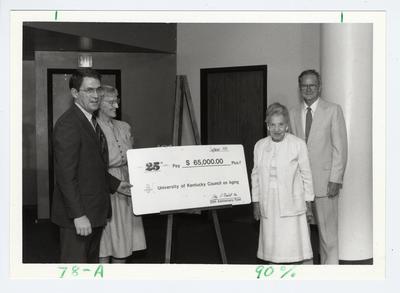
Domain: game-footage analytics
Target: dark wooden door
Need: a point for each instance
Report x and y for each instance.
(233, 104)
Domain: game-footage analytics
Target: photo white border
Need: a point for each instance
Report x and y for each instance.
(18, 270)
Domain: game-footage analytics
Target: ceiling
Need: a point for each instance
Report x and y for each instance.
(98, 37)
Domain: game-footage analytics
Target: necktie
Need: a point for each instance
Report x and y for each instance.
(308, 122)
(102, 140)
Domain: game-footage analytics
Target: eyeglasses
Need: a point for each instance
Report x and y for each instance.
(113, 102)
(91, 91)
(311, 86)
(277, 126)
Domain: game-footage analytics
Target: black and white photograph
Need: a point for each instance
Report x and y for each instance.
(206, 142)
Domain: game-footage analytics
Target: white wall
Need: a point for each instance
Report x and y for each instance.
(287, 49)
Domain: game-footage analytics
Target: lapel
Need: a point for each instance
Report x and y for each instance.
(87, 126)
(267, 152)
(317, 119)
(281, 156)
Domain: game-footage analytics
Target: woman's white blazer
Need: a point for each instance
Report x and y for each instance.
(295, 185)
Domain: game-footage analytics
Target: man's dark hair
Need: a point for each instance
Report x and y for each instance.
(77, 76)
(310, 71)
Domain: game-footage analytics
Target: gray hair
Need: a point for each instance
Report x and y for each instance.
(308, 72)
(107, 90)
(277, 109)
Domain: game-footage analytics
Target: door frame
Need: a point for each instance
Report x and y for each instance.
(204, 94)
(50, 73)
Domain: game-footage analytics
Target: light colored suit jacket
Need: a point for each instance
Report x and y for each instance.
(327, 143)
(295, 185)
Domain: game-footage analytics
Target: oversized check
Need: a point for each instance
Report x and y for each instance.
(186, 177)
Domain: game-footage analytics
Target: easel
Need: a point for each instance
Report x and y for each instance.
(182, 99)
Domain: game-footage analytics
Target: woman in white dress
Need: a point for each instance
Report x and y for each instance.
(281, 185)
(124, 233)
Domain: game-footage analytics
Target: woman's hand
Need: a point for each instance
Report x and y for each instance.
(256, 211)
(125, 188)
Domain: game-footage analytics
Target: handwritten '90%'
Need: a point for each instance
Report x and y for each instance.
(282, 272)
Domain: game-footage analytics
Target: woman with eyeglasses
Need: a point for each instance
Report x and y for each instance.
(124, 233)
(281, 184)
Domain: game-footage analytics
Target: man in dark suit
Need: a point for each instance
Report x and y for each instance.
(81, 200)
(321, 124)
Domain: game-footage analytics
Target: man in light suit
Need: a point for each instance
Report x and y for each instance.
(81, 199)
(321, 124)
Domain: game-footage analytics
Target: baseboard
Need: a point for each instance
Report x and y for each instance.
(369, 261)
